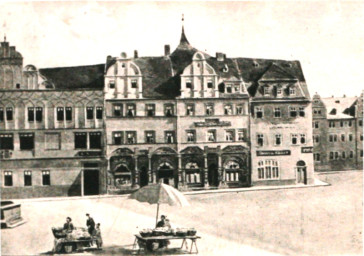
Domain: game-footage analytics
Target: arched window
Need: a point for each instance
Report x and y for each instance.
(232, 165)
(165, 166)
(193, 175)
(191, 165)
(268, 170)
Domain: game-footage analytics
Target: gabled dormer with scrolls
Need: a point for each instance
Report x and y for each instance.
(33, 80)
(123, 78)
(277, 83)
(199, 79)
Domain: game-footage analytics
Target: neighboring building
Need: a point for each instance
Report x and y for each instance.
(281, 133)
(338, 133)
(51, 129)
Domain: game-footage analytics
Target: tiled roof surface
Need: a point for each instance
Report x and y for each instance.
(341, 104)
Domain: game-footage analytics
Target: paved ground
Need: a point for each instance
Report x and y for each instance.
(312, 221)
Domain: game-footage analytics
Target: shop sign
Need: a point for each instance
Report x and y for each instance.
(306, 149)
(273, 152)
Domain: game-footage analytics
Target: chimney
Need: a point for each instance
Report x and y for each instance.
(220, 56)
(12, 51)
(135, 54)
(167, 50)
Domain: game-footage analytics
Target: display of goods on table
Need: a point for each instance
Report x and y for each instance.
(76, 234)
(168, 232)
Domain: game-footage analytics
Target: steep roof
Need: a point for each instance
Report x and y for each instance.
(79, 77)
(340, 104)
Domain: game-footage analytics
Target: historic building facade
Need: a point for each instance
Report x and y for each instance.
(338, 133)
(186, 118)
(51, 129)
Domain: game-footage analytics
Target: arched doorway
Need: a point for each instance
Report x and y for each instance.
(213, 175)
(144, 177)
(301, 171)
(165, 173)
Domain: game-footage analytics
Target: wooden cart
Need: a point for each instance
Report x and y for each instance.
(65, 244)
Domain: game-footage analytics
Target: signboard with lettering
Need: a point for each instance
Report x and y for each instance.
(273, 152)
(306, 149)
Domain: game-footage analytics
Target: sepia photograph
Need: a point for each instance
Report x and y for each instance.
(181, 127)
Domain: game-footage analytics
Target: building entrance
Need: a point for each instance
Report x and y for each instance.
(213, 175)
(90, 182)
(144, 177)
(165, 174)
(301, 172)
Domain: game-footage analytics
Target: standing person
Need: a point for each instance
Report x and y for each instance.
(90, 223)
(98, 236)
(68, 226)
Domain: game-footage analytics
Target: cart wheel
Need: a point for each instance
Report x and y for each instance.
(68, 248)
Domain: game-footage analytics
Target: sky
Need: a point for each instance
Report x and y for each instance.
(327, 37)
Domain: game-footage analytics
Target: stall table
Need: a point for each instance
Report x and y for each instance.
(142, 241)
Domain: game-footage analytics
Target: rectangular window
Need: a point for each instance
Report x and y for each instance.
(95, 140)
(242, 134)
(316, 125)
(316, 138)
(279, 91)
(240, 109)
(292, 91)
(336, 155)
(351, 154)
(26, 141)
(294, 138)
(117, 138)
(341, 124)
(316, 157)
(112, 84)
(343, 155)
(8, 178)
(68, 113)
(361, 137)
(31, 114)
(38, 114)
(292, 112)
(134, 83)
(6, 141)
(331, 155)
(168, 110)
(150, 136)
(230, 135)
(278, 139)
(268, 169)
(236, 88)
(277, 112)
(210, 84)
(90, 113)
(99, 112)
(342, 137)
(188, 85)
(209, 109)
(9, 114)
(211, 135)
(169, 136)
(52, 141)
(191, 136)
(259, 112)
(60, 114)
(80, 140)
(118, 110)
(303, 138)
(27, 178)
(361, 153)
(260, 139)
(350, 123)
(150, 109)
(130, 110)
(46, 178)
(331, 124)
(228, 110)
(266, 91)
(1, 115)
(131, 137)
(301, 111)
(228, 88)
(350, 137)
(360, 121)
(190, 109)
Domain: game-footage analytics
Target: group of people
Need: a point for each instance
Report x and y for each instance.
(93, 230)
(164, 222)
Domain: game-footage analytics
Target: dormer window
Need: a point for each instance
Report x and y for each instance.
(333, 111)
(237, 88)
(123, 65)
(210, 84)
(112, 84)
(266, 91)
(228, 88)
(292, 91)
(279, 91)
(259, 112)
(188, 85)
(134, 83)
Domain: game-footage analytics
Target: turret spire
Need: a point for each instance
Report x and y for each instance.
(183, 40)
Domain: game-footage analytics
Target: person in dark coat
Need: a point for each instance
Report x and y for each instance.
(161, 223)
(68, 226)
(90, 223)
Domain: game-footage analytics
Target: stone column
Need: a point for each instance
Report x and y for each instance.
(136, 173)
(206, 174)
(221, 171)
(181, 175)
